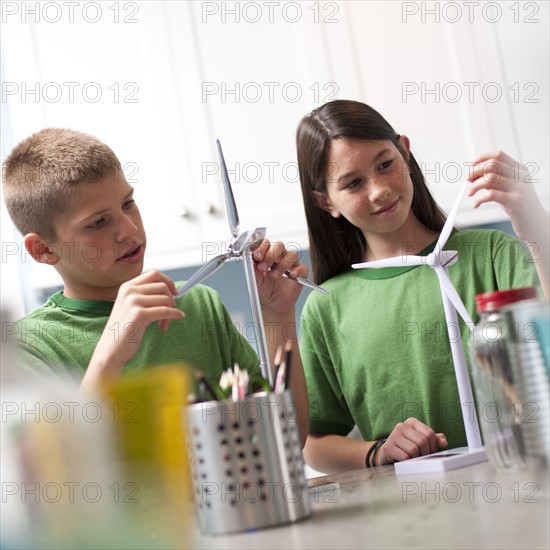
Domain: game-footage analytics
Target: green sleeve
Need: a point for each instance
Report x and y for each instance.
(241, 351)
(238, 350)
(32, 361)
(513, 264)
(328, 411)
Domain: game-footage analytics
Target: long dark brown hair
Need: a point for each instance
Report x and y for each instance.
(334, 242)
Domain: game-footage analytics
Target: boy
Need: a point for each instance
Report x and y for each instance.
(66, 193)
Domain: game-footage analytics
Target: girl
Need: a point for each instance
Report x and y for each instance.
(376, 351)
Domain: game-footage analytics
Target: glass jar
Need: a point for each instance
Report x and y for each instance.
(528, 322)
(496, 378)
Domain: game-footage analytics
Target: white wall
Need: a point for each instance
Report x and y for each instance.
(159, 81)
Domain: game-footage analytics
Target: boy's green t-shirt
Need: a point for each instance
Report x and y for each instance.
(376, 350)
(61, 336)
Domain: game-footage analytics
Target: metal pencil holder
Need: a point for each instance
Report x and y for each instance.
(246, 461)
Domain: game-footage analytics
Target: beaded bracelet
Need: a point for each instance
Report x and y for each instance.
(369, 452)
(376, 448)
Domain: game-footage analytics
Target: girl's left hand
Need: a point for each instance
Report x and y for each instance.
(277, 293)
(506, 182)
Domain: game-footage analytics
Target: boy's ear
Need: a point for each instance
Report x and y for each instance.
(41, 249)
(324, 203)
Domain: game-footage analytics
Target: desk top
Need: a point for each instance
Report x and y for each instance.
(473, 507)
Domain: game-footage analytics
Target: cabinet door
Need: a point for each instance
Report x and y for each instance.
(112, 78)
(445, 74)
(517, 59)
(255, 85)
(160, 81)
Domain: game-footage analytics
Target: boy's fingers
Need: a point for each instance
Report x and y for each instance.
(275, 253)
(164, 324)
(283, 260)
(148, 301)
(289, 261)
(167, 313)
(270, 260)
(301, 270)
(146, 315)
(154, 276)
(259, 256)
(259, 253)
(159, 289)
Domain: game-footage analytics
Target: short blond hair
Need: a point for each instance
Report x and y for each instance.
(42, 172)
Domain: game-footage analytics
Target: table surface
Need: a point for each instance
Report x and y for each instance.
(474, 507)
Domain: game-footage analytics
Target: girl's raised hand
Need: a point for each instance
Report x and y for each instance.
(506, 182)
(410, 439)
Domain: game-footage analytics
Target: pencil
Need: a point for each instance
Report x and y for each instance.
(204, 383)
(277, 364)
(236, 381)
(280, 378)
(288, 356)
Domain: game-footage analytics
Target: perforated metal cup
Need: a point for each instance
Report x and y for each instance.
(246, 461)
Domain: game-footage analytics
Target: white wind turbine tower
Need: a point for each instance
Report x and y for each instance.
(241, 247)
(439, 260)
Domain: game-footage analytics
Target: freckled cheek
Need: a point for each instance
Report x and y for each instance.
(359, 205)
(404, 182)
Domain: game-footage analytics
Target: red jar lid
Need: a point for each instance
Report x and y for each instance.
(493, 300)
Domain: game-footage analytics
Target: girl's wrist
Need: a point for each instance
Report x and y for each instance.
(370, 458)
(376, 454)
(369, 454)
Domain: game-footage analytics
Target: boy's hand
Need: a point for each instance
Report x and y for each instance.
(410, 439)
(506, 182)
(276, 292)
(139, 302)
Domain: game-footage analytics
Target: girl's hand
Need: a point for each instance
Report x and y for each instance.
(277, 293)
(507, 183)
(410, 439)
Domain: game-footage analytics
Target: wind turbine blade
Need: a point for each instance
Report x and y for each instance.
(397, 261)
(451, 293)
(230, 204)
(205, 271)
(448, 227)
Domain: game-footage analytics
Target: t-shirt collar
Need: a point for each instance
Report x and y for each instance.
(99, 307)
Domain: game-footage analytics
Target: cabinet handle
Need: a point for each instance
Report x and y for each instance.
(213, 210)
(186, 213)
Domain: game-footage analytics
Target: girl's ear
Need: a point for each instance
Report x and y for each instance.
(43, 251)
(406, 145)
(324, 203)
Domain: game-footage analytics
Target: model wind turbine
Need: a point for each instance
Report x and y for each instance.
(242, 246)
(439, 260)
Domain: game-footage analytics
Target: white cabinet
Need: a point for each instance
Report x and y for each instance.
(160, 81)
(460, 79)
